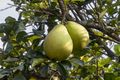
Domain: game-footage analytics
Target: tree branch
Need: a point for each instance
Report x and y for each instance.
(110, 53)
(98, 27)
(71, 8)
(78, 12)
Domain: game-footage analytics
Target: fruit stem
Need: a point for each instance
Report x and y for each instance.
(63, 9)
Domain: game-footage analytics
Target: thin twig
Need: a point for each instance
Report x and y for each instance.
(6, 8)
(108, 39)
(63, 9)
(75, 15)
(110, 53)
(80, 15)
(98, 27)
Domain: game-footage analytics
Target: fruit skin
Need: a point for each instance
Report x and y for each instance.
(58, 44)
(78, 34)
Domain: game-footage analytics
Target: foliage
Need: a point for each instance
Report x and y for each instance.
(22, 56)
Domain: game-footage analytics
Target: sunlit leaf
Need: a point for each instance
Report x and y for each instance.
(117, 49)
(96, 32)
(32, 78)
(37, 61)
(86, 58)
(33, 37)
(104, 61)
(117, 78)
(109, 1)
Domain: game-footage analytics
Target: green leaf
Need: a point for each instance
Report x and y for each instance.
(4, 72)
(19, 76)
(8, 48)
(91, 69)
(2, 27)
(44, 70)
(35, 44)
(109, 76)
(109, 1)
(38, 32)
(102, 14)
(84, 72)
(117, 49)
(88, 70)
(77, 61)
(20, 67)
(6, 28)
(96, 32)
(21, 26)
(2, 75)
(37, 61)
(67, 64)
(21, 36)
(82, 52)
(10, 23)
(62, 70)
(104, 61)
(10, 59)
(112, 9)
(10, 20)
(1, 34)
(117, 78)
(33, 37)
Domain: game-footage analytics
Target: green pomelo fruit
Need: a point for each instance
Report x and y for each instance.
(58, 44)
(78, 34)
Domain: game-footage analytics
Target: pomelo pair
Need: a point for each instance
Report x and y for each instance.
(63, 40)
